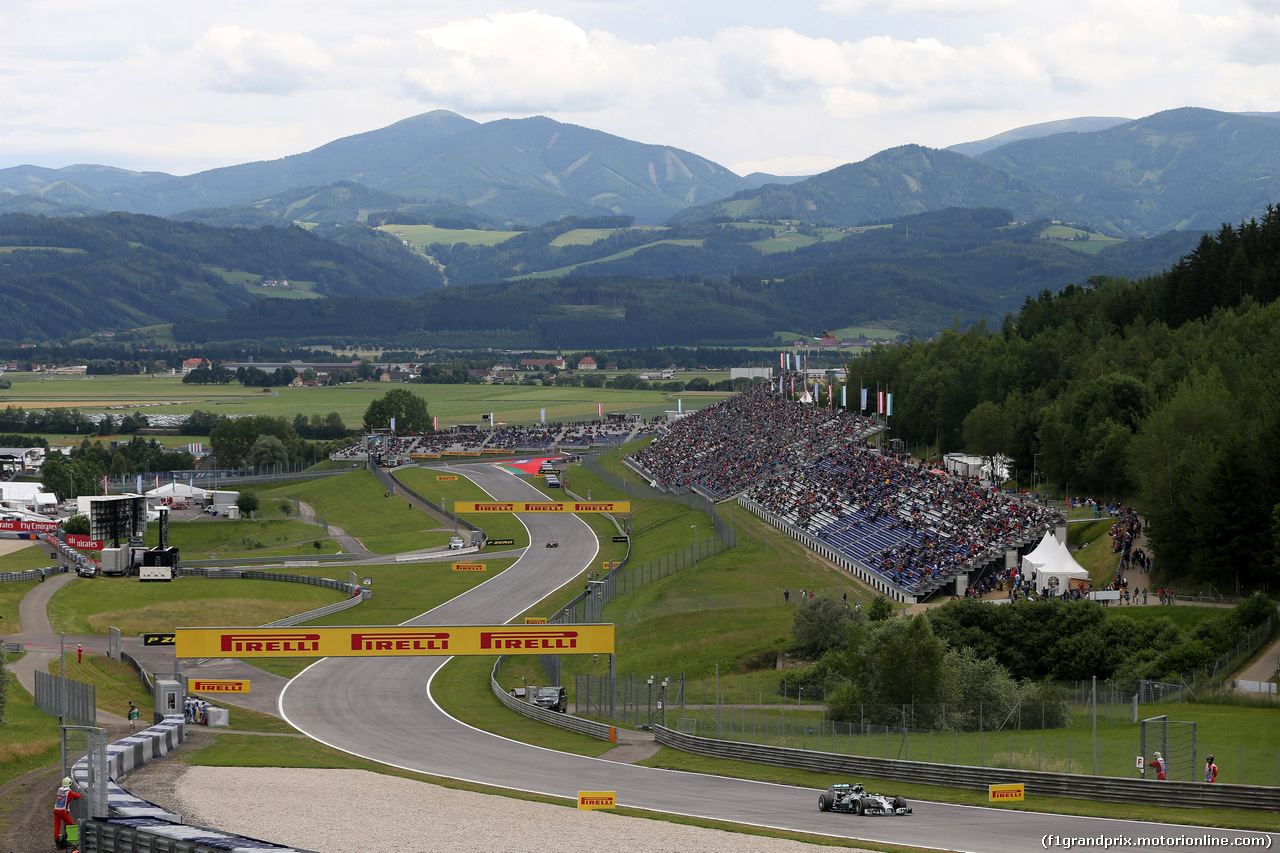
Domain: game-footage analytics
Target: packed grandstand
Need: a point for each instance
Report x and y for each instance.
(912, 524)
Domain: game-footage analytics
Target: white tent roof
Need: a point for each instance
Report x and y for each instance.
(178, 490)
(29, 493)
(1040, 554)
(1058, 564)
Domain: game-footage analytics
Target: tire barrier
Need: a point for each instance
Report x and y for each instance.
(135, 825)
(1100, 788)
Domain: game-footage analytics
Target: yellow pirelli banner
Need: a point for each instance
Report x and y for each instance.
(535, 620)
(207, 685)
(446, 478)
(496, 451)
(391, 640)
(588, 800)
(542, 506)
(1006, 793)
(470, 567)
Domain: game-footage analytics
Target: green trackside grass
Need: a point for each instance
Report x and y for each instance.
(29, 741)
(462, 689)
(357, 502)
(117, 684)
(221, 537)
(425, 482)
(11, 593)
(91, 606)
(401, 591)
(1235, 819)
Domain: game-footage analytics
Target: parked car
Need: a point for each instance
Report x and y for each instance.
(552, 698)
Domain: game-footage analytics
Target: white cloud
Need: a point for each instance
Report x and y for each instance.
(519, 61)
(938, 8)
(238, 60)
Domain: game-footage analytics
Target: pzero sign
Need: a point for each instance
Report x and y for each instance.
(157, 639)
(392, 640)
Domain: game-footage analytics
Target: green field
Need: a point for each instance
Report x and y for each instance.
(92, 606)
(452, 404)
(420, 236)
(563, 271)
(1079, 239)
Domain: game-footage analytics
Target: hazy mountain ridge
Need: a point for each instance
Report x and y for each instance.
(527, 171)
(1185, 169)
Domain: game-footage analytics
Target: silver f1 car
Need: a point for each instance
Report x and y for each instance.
(843, 797)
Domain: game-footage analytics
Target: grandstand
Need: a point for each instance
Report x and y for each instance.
(467, 440)
(905, 527)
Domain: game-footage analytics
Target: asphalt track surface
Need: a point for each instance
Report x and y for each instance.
(381, 709)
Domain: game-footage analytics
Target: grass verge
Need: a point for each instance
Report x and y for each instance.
(91, 606)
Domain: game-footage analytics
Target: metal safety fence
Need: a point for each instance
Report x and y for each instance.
(75, 702)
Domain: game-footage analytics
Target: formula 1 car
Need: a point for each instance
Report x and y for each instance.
(843, 797)
(553, 544)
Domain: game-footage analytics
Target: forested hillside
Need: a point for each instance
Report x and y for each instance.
(1166, 390)
(117, 271)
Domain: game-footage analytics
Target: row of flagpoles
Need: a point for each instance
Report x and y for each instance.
(884, 399)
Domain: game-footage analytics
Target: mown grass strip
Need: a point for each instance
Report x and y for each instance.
(92, 606)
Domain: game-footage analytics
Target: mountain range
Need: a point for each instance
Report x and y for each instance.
(1187, 169)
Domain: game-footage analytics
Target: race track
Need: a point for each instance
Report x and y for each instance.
(381, 709)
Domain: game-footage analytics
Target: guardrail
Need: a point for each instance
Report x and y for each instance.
(591, 728)
(1101, 788)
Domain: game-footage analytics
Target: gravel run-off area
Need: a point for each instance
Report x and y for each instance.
(357, 811)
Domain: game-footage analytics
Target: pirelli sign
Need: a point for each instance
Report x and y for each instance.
(391, 641)
(205, 685)
(542, 506)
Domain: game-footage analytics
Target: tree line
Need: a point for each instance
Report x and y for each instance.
(1162, 392)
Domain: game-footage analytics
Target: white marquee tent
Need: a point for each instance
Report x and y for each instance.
(178, 490)
(1053, 565)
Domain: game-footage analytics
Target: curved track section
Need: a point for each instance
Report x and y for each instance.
(380, 708)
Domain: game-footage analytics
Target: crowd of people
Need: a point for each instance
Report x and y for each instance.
(916, 526)
(395, 449)
(730, 446)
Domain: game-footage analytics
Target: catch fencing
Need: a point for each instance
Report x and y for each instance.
(588, 606)
(75, 702)
(1221, 795)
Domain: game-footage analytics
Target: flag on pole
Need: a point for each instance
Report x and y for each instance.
(888, 405)
(544, 416)
(879, 402)
(782, 361)
(864, 400)
(679, 405)
(139, 484)
(157, 481)
(393, 425)
(600, 410)
(844, 396)
(104, 484)
(435, 423)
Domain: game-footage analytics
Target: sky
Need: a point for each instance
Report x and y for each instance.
(786, 88)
